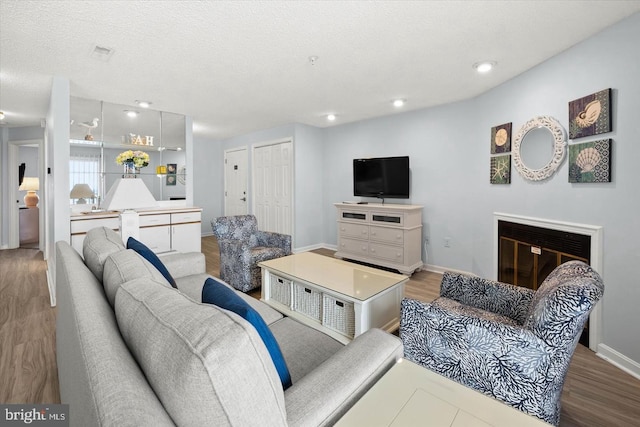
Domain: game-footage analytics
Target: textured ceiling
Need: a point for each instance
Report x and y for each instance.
(236, 67)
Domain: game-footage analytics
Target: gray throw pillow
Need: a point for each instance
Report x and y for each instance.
(207, 366)
(98, 244)
(124, 266)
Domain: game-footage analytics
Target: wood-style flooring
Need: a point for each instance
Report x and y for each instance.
(595, 393)
(28, 372)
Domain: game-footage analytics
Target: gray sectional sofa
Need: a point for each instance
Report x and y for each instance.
(133, 351)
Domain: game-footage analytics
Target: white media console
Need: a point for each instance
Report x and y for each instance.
(385, 235)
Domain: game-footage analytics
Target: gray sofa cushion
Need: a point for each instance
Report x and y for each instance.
(303, 348)
(191, 286)
(197, 356)
(98, 244)
(124, 266)
(182, 264)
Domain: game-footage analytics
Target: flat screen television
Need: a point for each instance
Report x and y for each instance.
(383, 177)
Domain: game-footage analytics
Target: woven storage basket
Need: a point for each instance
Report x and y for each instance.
(307, 301)
(280, 289)
(338, 315)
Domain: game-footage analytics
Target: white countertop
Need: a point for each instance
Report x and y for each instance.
(143, 211)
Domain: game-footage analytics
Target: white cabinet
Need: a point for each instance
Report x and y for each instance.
(162, 230)
(155, 231)
(385, 235)
(186, 231)
(80, 224)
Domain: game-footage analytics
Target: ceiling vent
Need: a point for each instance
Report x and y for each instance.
(101, 53)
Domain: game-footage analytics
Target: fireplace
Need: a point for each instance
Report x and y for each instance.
(527, 254)
(528, 249)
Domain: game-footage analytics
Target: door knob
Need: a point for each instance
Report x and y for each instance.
(244, 199)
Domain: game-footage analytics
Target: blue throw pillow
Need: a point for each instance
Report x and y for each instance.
(224, 297)
(150, 256)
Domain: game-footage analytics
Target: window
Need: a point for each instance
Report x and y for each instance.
(85, 169)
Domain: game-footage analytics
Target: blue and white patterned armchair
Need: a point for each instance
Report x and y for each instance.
(243, 246)
(505, 341)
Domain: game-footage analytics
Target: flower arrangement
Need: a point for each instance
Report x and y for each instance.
(139, 158)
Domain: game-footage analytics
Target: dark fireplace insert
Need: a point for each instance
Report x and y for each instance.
(527, 254)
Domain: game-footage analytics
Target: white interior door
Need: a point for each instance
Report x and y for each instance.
(235, 182)
(273, 186)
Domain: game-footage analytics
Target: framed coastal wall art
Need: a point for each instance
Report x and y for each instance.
(501, 169)
(501, 139)
(590, 161)
(172, 169)
(590, 115)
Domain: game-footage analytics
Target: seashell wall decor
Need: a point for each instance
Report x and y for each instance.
(590, 115)
(501, 139)
(590, 161)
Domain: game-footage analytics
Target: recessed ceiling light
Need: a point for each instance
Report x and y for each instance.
(331, 117)
(398, 103)
(131, 113)
(143, 104)
(1, 115)
(484, 66)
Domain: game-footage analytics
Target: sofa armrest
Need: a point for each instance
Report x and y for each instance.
(325, 394)
(500, 298)
(184, 263)
(277, 240)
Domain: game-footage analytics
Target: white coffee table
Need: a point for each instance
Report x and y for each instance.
(339, 298)
(410, 395)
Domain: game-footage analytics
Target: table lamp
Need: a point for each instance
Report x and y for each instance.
(80, 192)
(30, 184)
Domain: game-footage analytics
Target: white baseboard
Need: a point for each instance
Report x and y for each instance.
(52, 294)
(438, 269)
(619, 360)
(312, 247)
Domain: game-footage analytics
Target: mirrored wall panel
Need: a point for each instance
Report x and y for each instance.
(101, 132)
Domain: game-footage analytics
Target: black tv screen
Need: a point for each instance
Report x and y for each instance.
(383, 177)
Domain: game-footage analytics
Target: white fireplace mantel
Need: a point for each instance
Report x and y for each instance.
(594, 231)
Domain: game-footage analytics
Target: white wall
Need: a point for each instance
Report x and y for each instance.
(56, 184)
(449, 150)
(208, 173)
(308, 187)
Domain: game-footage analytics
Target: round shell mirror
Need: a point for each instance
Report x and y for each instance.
(557, 138)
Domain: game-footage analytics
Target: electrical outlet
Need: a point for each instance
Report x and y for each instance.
(447, 242)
